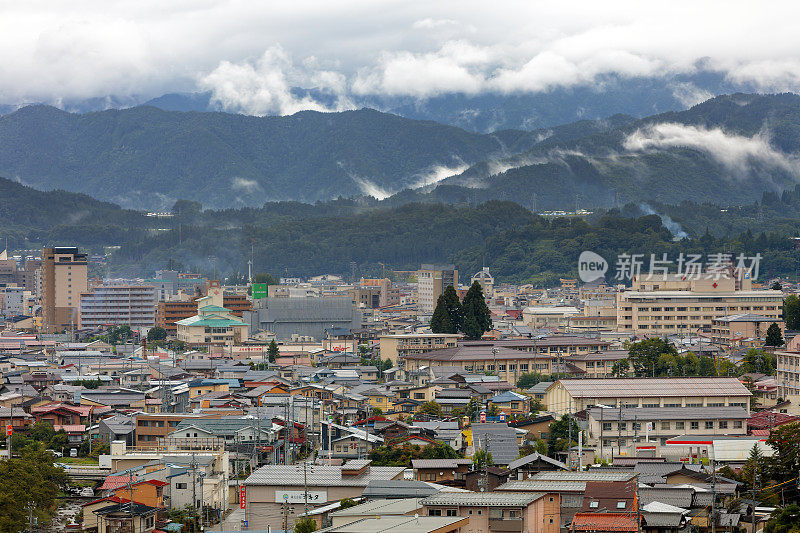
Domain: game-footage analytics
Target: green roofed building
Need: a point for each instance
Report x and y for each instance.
(212, 325)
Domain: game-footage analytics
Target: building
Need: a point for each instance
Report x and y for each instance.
(396, 347)
(495, 511)
(538, 317)
(442, 471)
(485, 280)
(573, 395)
(213, 325)
(171, 311)
(677, 305)
(304, 316)
(64, 278)
(132, 305)
(432, 280)
(613, 431)
(271, 487)
(788, 372)
(736, 330)
(376, 293)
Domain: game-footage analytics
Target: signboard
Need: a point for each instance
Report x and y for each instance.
(483, 416)
(259, 290)
(9, 430)
(243, 498)
(298, 496)
(502, 417)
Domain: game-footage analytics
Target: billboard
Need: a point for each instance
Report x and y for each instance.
(259, 290)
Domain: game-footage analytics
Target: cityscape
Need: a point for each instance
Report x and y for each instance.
(399, 267)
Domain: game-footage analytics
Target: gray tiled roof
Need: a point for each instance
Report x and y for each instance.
(652, 387)
(530, 485)
(439, 463)
(584, 476)
(489, 499)
(397, 488)
(668, 413)
(292, 475)
(535, 456)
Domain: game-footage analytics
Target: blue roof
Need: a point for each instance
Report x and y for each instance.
(508, 396)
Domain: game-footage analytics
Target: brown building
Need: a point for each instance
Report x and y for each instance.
(443, 471)
(736, 330)
(64, 277)
(169, 313)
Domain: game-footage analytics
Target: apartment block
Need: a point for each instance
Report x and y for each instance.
(742, 330)
(395, 347)
(432, 280)
(376, 293)
(132, 305)
(675, 305)
(64, 278)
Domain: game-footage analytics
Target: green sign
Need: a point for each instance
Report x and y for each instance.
(259, 290)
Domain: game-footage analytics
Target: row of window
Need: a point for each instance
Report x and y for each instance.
(679, 424)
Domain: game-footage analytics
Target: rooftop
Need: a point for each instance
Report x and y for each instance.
(292, 475)
(406, 524)
(652, 387)
(484, 499)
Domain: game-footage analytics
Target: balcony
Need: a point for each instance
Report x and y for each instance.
(505, 524)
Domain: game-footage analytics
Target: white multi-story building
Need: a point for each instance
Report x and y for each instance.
(132, 305)
(432, 280)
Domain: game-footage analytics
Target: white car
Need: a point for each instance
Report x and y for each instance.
(55, 453)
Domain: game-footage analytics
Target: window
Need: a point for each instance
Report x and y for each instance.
(637, 426)
(723, 424)
(434, 512)
(594, 505)
(551, 498)
(620, 505)
(695, 425)
(710, 424)
(606, 426)
(621, 426)
(452, 512)
(680, 425)
(430, 477)
(664, 425)
(737, 424)
(513, 513)
(180, 486)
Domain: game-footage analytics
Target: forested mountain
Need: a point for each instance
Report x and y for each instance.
(727, 150)
(145, 157)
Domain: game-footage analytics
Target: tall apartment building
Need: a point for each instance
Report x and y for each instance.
(432, 280)
(677, 305)
(64, 278)
(132, 305)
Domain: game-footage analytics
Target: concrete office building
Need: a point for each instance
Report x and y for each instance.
(675, 305)
(64, 278)
(742, 330)
(432, 280)
(131, 305)
(306, 317)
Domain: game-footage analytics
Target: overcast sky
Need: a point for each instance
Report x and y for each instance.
(249, 53)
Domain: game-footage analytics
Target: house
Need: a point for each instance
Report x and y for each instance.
(511, 403)
(126, 516)
(443, 471)
(608, 506)
(492, 511)
(526, 467)
(485, 480)
(538, 427)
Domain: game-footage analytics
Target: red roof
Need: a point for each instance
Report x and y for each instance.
(82, 410)
(760, 433)
(767, 419)
(70, 428)
(604, 522)
(376, 418)
(114, 482)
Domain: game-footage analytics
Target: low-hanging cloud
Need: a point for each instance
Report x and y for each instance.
(244, 184)
(736, 152)
(250, 53)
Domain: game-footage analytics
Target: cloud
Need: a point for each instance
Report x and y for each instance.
(736, 152)
(246, 185)
(438, 173)
(250, 53)
(371, 189)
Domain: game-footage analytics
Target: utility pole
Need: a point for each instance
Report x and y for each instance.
(713, 496)
(193, 465)
(569, 439)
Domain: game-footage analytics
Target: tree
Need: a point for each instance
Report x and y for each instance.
(439, 450)
(346, 503)
(477, 318)
(305, 525)
(377, 411)
(482, 459)
(263, 277)
(774, 336)
(757, 361)
(30, 479)
(527, 380)
(156, 333)
(119, 334)
(493, 410)
(440, 320)
(472, 408)
(558, 437)
(786, 520)
(272, 351)
(791, 312)
(777, 286)
(785, 461)
(431, 408)
(646, 356)
(620, 368)
(754, 469)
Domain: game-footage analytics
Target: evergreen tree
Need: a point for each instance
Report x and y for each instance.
(454, 308)
(477, 318)
(791, 312)
(272, 351)
(774, 337)
(440, 321)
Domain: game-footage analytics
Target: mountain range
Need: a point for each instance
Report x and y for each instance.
(728, 150)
